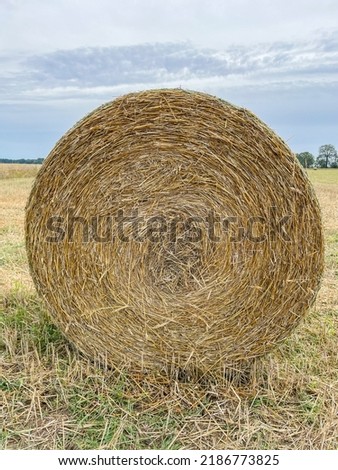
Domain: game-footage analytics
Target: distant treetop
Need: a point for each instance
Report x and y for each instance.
(327, 158)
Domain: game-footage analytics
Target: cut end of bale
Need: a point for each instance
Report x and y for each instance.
(170, 230)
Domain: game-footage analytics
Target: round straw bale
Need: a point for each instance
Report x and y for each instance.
(169, 229)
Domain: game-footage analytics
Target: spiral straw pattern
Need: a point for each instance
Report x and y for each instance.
(169, 229)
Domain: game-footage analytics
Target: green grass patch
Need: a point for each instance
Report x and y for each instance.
(323, 175)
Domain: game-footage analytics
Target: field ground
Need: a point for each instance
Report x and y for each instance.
(18, 170)
(52, 397)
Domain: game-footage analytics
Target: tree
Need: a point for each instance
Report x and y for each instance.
(327, 156)
(306, 159)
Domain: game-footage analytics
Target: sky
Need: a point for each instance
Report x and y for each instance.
(60, 59)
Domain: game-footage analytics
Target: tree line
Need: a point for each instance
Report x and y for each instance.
(327, 158)
(22, 160)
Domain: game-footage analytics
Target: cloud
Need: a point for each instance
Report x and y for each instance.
(290, 85)
(92, 72)
(45, 26)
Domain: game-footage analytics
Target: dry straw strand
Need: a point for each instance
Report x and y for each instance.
(173, 303)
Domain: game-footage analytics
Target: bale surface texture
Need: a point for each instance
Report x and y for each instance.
(232, 276)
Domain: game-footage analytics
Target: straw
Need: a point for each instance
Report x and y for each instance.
(235, 277)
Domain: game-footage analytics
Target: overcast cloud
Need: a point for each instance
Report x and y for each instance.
(60, 59)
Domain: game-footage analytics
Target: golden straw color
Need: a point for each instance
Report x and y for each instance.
(170, 230)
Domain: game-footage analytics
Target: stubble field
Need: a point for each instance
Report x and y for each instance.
(54, 398)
